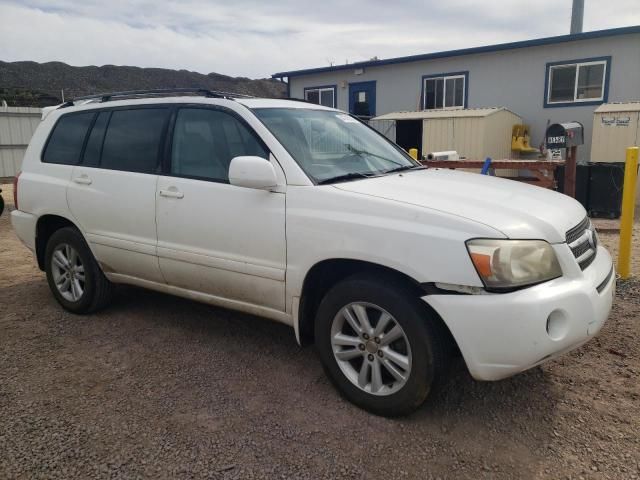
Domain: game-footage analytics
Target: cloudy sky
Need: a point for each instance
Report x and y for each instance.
(256, 38)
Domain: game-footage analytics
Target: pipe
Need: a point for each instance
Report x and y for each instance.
(628, 207)
(577, 16)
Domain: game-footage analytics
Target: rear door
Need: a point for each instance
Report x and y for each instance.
(213, 237)
(112, 190)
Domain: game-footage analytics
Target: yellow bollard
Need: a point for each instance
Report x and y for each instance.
(413, 152)
(628, 206)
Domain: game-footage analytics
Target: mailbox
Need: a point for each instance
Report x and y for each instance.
(564, 135)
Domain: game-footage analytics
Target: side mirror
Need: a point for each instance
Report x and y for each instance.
(252, 172)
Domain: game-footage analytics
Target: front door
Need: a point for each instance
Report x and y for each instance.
(362, 99)
(213, 237)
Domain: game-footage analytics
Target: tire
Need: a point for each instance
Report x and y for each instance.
(95, 290)
(425, 343)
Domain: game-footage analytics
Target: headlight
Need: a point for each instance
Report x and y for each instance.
(508, 264)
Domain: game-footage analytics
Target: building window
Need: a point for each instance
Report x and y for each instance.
(321, 95)
(580, 81)
(444, 91)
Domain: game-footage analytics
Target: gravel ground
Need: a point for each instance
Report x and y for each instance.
(160, 387)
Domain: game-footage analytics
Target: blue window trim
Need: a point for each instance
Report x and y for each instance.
(335, 92)
(370, 83)
(605, 95)
(465, 73)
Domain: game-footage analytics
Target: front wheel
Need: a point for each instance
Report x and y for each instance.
(379, 345)
(74, 276)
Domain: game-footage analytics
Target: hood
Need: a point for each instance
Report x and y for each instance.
(518, 210)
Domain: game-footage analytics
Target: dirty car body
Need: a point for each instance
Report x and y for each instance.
(308, 217)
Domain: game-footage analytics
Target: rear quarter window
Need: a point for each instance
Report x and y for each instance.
(67, 138)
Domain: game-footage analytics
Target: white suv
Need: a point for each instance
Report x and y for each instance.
(304, 215)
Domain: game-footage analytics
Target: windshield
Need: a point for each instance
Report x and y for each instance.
(333, 146)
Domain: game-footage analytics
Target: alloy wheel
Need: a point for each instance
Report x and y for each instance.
(68, 272)
(371, 348)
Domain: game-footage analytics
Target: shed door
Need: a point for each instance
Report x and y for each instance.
(409, 135)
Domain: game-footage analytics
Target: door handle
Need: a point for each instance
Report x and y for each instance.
(82, 180)
(171, 193)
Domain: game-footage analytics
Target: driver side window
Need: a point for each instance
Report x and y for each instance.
(206, 140)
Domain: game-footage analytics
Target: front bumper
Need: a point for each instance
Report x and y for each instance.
(500, 335)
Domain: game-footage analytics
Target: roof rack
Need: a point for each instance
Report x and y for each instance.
(163, 92)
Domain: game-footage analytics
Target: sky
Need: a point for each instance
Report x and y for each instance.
(255, 39)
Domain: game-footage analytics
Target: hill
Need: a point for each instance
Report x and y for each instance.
(40, 84)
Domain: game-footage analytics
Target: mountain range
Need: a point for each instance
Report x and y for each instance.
(41, 84)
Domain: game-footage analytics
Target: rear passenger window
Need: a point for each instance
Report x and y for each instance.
(205, 141)
(92, 151)
(65, 144)
(133, 139)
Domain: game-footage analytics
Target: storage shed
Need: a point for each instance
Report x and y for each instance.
(17, 125)
(475, 133)
(616, 126)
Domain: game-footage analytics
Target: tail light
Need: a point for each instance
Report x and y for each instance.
(15, 190)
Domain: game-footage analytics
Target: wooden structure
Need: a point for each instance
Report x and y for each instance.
(542, 171)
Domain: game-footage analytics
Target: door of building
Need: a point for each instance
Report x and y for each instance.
(362, 99)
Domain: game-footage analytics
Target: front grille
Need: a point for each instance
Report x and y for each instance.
(581, 249)
(583, 242)
(588, 261)
(577, 231)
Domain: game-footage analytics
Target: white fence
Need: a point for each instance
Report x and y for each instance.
(17, 125)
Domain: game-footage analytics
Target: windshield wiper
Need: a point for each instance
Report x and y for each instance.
(405, 167)
(361, 153)
(345, 177)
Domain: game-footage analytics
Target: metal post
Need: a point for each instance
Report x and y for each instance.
(486, 166)
(570, 172)
(577, 15)
(628, 207)
(413, 152)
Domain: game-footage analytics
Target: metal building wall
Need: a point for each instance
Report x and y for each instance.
(514, 79)
(17, 125)
(474, 134)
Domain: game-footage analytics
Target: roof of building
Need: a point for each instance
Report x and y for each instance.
(468, 51)
(618, 107)
(446, 113)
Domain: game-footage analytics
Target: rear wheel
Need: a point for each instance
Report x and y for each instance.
(73, 274)
(379, 345)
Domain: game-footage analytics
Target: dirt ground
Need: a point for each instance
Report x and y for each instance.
(160, 387)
